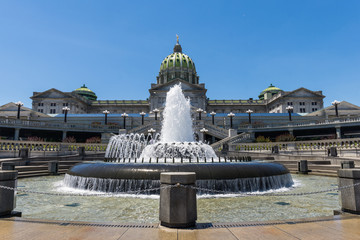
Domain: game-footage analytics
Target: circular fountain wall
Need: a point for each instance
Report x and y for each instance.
(176, 142)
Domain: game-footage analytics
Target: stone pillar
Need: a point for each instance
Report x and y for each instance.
(53, 167)
(291, 131)
(232, 132)
(332, 152)
(8, 166)
(338, 132)
(105, 137)
(178, 203)
(122, 131)
(350, 197)
(303, 167)
(275, 149)
(7, 197)
(81, 151)
(24, 153)
(252, 135)
(64, 135)
(17, 134)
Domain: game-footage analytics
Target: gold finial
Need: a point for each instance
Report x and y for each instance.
(177, 39)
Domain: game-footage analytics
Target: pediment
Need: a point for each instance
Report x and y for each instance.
(345, 106)
(51, 93)
(303, 92)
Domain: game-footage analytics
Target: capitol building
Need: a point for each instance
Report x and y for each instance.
(177, 68)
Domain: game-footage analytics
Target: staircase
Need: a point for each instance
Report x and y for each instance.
(242, 137)
(216, 131)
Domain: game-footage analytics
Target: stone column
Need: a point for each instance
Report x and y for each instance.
(303, 167)
(350, 197)
(64, 135)
(291, 131)
(232, 132)
(53, 167)
(338, 132)
(178, 199)
(7, 197)
(17, 134)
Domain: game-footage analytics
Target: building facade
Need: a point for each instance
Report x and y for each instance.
(177, 68)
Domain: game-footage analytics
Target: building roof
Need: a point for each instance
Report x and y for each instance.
(344, 109)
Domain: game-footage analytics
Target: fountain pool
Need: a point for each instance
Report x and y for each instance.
(125, 208)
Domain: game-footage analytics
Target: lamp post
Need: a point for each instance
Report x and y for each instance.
(65, 109)
(336, 103)
(19, 105)
(106, 112)
(203, 131)
(249, 112)
(151, 131)
(124, 115)
(142, 117)
(231, 115)
(213, 117)
(156, 111)
(290, 110)
(199, 110)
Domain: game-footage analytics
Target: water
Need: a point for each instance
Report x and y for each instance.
(176, 139)
(128, 208)
(177, 124)
(237, 185)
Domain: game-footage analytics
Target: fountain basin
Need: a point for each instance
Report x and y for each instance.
(226, 177)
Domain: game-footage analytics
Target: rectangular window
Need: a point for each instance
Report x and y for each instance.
(314, 109)
(302, 110)
(40, 104)
(302, 103)
(53, 104)
(314, 103)
(65, 104)
(52, 111)
(290, 103)
(41, 110)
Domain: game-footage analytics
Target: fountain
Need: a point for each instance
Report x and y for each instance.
(140, 159)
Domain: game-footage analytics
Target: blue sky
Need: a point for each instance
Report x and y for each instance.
(239, 47)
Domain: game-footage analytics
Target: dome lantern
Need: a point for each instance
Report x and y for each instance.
(177, 65)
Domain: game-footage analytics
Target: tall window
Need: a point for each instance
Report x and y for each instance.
(52, 111)
(53, 104)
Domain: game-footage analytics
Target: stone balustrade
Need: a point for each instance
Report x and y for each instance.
(10, 145)
(343, 144)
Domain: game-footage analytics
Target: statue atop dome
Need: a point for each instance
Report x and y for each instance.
(177, 47)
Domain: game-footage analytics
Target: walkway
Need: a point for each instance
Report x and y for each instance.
(337, 227)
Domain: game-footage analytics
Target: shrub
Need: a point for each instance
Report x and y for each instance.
(262, 139)
(70, 139)
(93, 140)
(35, 139)
(285, 138)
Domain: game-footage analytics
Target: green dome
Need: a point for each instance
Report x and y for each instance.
(271, 89)
(178, 60)
(177, 65)
(86, 93)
